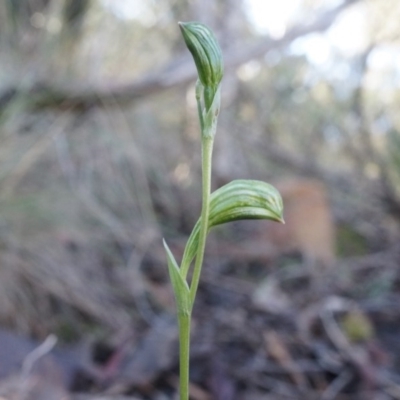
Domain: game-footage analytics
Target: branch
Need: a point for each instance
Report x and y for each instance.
(43, 95)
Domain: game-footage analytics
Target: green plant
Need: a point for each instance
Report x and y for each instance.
(239, 199)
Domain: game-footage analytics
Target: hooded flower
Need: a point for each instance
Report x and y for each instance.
(207, 56)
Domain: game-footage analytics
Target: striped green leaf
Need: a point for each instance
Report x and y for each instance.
(238, 200)
(179, 284)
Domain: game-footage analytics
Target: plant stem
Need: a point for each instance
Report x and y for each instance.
(184, 320)
(184, 351)
(207, 146)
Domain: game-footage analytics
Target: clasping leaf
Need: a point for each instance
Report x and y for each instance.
(179, 284)
(237, 200)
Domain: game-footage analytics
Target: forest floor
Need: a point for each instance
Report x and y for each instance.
(286, 332)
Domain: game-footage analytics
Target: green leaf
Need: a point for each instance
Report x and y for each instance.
(238, 200)
(179, 284)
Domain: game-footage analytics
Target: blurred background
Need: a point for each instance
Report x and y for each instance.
(100, 159)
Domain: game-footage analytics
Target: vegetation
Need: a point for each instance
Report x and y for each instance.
(100, 160)
(237, 200)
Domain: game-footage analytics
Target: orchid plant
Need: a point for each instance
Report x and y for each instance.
(237, 200)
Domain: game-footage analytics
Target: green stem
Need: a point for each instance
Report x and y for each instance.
(184, 351)
(184, 320)
(207, 145)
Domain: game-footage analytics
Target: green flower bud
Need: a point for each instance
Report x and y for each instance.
(207, 56)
